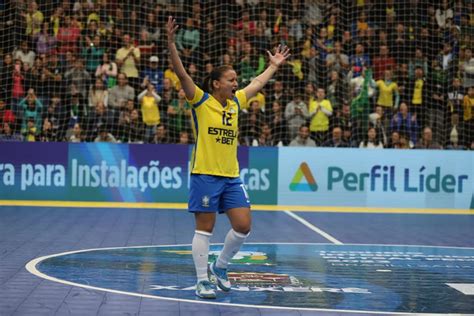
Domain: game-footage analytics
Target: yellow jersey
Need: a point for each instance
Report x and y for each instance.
(319, 122)
(385, 98)
(468, 104)
(418, 92)
(150, 111)
(215, 129)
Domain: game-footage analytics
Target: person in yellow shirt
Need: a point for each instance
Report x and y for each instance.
(320, 110)
(418, 96)
(171, 75)
(468, 114)
(127, 58)
(34, 19)
(215, 185)
(387, 90)
(149, 101)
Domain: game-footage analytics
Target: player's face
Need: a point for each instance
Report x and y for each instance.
(228, 83)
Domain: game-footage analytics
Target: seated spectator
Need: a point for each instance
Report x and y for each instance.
(336, 140)
(381, 124)
(77, 136)
(104, 135)
(48, 134)
(265, 137)
(7, 134)
(99, 116)
(455, 134)
(149, 101)
(183, 138)
(133, 129)
(30, 132)
(371, 142)
(161, 135)
(98, 93)
(405, 123)
(303, 139)
(426, 141)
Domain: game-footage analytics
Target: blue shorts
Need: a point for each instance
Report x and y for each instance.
(216, 194)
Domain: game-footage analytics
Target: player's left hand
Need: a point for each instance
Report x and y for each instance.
(282, 52)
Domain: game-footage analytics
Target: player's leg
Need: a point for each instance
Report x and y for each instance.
(235, 201)
(204, 200)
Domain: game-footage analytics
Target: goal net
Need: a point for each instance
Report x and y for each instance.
(391, 74)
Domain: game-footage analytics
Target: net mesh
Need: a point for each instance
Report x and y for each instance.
(392, 74)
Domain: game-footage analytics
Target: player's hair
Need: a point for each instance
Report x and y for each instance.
(215, 74)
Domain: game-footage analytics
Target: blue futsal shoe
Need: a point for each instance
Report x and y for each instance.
(205, 289)
(220, 276)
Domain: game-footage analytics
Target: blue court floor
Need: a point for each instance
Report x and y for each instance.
(27, 233)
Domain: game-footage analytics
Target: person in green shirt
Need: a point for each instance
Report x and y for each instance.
(179, 113)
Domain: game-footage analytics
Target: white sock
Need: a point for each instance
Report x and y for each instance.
(233, 242)
(200, 249)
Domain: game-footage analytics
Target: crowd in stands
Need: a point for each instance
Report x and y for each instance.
(369, 74)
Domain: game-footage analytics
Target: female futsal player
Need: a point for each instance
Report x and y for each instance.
(215, 183)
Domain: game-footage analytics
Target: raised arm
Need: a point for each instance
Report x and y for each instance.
(186, 81)
(281, 54)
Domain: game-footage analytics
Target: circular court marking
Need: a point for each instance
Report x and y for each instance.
(318, 277)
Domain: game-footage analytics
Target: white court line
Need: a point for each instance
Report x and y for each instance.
(313, 228)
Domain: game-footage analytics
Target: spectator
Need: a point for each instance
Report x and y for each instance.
(98, 93)
(380, 123)
(93, 54)
(319, 111)
(467, 69)
(359, 60)
(337, 60)
(337, 90)
(149, 101)
(133, 129)
(468, 116)
(418, 61)
(153, 75)
(371, 142)
(107, 71)
(119, 94)
(31, 108)
(278, 124)
(296, 114)
(45, 40)
(68, 36)
(6, 115)
(34, 19)
(48, 134)
(7, 134)
(78, 78)
(388, 93)
(265, 137)
(161, 135)
(405, 123)
(455, 134)
(183, 138)
(303, 139)
(77, 135)
(418, 96)
(249, 121)
(104, 135)
(426, 141)
(383, 62)
(6, 73)
(336, 140)
(25, 54)
(188, 40)
(179, 115)
(98, 116)
(128, 57)
(443, 14)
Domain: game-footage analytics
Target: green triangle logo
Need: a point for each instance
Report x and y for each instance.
(310, 185)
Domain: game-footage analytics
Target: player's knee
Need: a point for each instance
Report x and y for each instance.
(242, 228)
